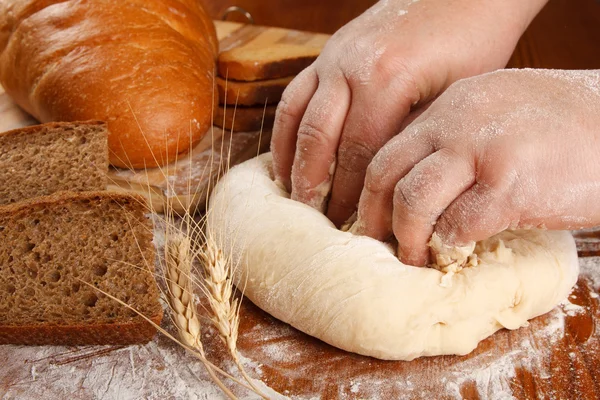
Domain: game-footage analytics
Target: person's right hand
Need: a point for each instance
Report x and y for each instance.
(358, 94)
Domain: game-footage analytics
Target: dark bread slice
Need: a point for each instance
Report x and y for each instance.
(43, 159)
(257, 63)
(252, 93)
(49, 245)
(245, 119)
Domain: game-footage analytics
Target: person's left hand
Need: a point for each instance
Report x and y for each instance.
(511, 149)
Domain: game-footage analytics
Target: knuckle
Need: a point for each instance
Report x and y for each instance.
(355, 156)
(410, 203)
(450, 228)
(311, 134)
(284, 110)
(404, 198)
(374, 177)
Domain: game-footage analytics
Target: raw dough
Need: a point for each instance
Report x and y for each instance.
(353, 293)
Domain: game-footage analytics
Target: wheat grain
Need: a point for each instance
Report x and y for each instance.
(178, 260)
(219, 288)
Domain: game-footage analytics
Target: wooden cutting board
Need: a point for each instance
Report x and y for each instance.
(185, 184)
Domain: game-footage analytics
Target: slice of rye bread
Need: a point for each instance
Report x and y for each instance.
(245, 119)
(43, 159)
(258, 63)
(50, 246)
(252, 93)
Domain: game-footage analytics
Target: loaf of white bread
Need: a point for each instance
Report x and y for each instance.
(146, 67)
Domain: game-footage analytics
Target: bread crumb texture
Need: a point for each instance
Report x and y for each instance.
(43, 159)
(50, 246)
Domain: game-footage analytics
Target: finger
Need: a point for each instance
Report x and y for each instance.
(375, 116)
(477, 214)
(318, 140)
(422, 196)
(390, 164)
(414, 114)
(290, 110)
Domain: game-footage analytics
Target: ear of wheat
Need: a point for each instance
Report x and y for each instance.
(178, 260)
(219, 288)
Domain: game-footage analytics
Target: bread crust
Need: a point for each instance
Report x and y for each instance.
(144, 66)
(81, 335)
(66, 197)
(26, 130)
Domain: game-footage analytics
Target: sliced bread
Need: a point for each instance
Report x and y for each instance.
(270, 62)
(51, 246)
(43, 159)
(245, 119)
(257, 93)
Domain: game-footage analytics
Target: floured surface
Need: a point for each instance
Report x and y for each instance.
(556, 356)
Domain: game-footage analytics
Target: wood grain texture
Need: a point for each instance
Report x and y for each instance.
(235, 35)
(565, 35)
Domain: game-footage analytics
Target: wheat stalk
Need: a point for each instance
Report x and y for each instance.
(178, 259)
(219, 288)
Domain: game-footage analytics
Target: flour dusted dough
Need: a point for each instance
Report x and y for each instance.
(352, 292)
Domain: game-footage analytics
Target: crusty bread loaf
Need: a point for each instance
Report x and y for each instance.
(144, 66)
(43, 159)
(245, 119)
(50, 246)
(257, 63)
(252, 93)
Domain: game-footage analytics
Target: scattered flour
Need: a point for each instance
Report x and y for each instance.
(571, 309)
(103, 372)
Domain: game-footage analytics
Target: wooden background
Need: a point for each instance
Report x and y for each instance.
(566, 33)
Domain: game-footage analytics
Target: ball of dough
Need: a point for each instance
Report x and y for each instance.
(353, 293)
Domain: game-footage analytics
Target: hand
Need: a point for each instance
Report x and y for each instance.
(508, 150)
(397, 57)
